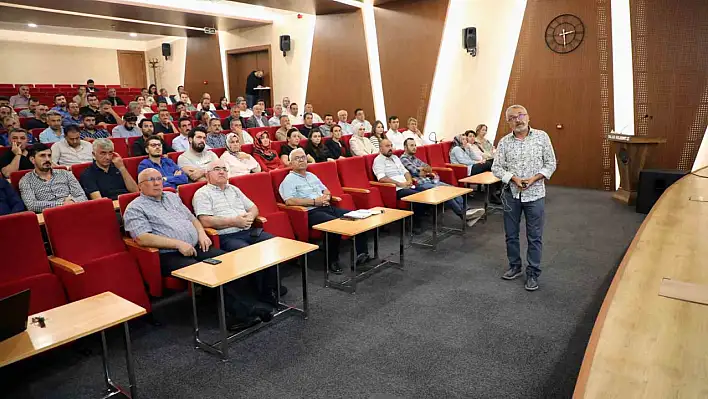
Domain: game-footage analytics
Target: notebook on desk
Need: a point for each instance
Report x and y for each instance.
(14, 310)
(361, 214)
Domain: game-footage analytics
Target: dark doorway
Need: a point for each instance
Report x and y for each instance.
(241, 62)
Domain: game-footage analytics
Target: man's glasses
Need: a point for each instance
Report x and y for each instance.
(514, 118)
(152, 180)
(300, 158)
(155, 145)
(219, 169)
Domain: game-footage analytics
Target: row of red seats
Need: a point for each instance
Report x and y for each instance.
(60, 86)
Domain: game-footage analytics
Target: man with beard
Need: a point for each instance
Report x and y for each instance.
(113, 99)
(16, 159)
(60, 105)
(55, 132)
(148, 129)
(45, 187)
(40, 118)
(72, 150)
(127, 129)
(181, 142)
(194, 161)
(74, 118)
(326, 128)
(172, 175)
(93, 107)
(524, 160)
(90, 132)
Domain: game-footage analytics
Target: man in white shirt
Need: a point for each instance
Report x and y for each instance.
(71, 150)
(181, 142)
(415, 134)
(277, 112)
(393, 134)
(293, 116)
(388, 168)
(194, 161)
(360, 119)
(309, 109)
(245, 113)
(347, 128)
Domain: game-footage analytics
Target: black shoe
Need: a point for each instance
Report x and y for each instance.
(241, 324)
(531, 283)
(334, 268)
(512, 273)
(264, 314)
(362, 258)
(283, 290)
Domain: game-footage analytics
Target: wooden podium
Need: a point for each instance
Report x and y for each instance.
(631, 153)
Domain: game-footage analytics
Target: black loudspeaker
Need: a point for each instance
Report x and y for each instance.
(469, 40)
(284, 44)
(166, 49)
(653, 183)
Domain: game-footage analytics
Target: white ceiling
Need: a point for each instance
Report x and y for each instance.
(104, 34)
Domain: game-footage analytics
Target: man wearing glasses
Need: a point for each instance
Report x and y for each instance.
(302, 188)
(524, 160)
(172, 175)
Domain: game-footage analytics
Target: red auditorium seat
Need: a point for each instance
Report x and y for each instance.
(218, 151)
(186, 193)
(120, 146)
(388, 190)
(436, 157)
(113, 86)
(247, 148)
(26, 266)
(327, 173)
(78, 169)
(222, 113)
(63, 86)
(257, 187)
(345, 140)
(44, 86)
(120, 109)
(7, 85)
(446, 174)
(131, 164)
(36, 133)
(87, 234)
(271, 131)
(169, 137)
(354, 177)
(174, 156)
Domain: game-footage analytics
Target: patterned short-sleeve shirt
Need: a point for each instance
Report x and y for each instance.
(167, 217)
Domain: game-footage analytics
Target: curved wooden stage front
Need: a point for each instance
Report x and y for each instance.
(644, 345)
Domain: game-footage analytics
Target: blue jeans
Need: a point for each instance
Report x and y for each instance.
(534, 213)
(456, 204)
(251, 100)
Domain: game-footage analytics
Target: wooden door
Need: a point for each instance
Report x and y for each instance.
(241, 62)
(131, 68)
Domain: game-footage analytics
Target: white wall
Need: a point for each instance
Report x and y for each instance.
(473, 88)
(289, 73)
(170, 72)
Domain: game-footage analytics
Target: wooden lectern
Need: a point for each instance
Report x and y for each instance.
(631, 153)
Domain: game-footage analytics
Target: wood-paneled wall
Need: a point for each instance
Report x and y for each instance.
(670, 61)
(203, 63)
(409, 34)
(573, 90)
(339, 69)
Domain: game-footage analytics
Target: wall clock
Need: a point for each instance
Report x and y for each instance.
(565, 33)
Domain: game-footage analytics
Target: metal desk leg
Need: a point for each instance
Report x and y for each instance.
(304, 287)
(194, 313)
(326, 268)
(222, 324)
(104, 355)
(486, 201)
(412, 222)
(129, 360)
(376, 243)
(353, 266)
(435, 228)
(464, 213)
(277, 274)
(403, 234)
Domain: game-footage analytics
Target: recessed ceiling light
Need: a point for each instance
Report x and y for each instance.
(31, 25)
(133, 35)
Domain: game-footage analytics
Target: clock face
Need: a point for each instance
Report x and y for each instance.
(565, 33)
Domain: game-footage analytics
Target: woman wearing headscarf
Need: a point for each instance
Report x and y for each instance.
(464, 154)
(264, 155)
(238, 162)
(315, 148)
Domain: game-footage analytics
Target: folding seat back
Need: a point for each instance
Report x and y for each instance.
(222, 113)
(78, 169)
(120, 109)
(422, 153)
(276, 145)
(174, 156)
(186, 193)
(131, 141)
(120, 146)
(36, 133)
(276, 177)
(327, 173)
(369, 166)
(218, 151)
(257, 187)
(15, 177)
(352, 172)
(131, 164)
(169, 137)
(345, 140)
(247, 148)
(446, 146)
(435, 155)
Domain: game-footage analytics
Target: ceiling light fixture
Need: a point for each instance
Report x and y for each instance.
(31, 25)
(133, 34)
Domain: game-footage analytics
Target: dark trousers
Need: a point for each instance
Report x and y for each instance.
(251, 100)
(263, 282)
(534, 215)
(418, 209)
(325, 214)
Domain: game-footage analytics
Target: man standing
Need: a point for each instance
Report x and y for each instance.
(326, 128)
(393, 134)
(113, 99)
(90, 132)
(277, 112)
(172, 175)
(45, 187)
(286, 103)
(347, 128)
(254, 80)
(55, 132)
(71, 150)
(127, 129)
(524, 160)
(16, 159)
(360, 119)
(303, 188)
(257, 120)
(148, 130)
(197, 157)
(21, 100)
(181, 142)
(107, 177)
(74, 118)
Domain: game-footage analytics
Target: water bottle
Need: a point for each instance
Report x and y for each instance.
(436, 179)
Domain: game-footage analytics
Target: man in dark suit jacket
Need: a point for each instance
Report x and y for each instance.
(257, 120)
(235, 114)
(170, 100)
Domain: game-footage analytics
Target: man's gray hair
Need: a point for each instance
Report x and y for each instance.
(52, 112)
(133, 104)
(295, 152)
(102, 144)
(515, 106)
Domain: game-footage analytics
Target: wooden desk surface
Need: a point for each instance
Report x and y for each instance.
(644, 345)
(437, 195)
(354, 227)
(40, 216)
(245, 261)
(68, 323)
(482, 178)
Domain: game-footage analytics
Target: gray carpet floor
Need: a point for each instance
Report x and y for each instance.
(446, 326)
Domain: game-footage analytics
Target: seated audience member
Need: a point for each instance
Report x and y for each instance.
(292, 143)
(285, 126)
(60, 105)
(377, 134)
(134, 108)
(347, 128)
(244, 136)
(90, 132)
(184, 97)
(144, 108)
(335, 145)
(205, 103)
(107, 177)
(10, 201)
(17, 158)
(74, 118)
(159, 219)
(10, 123)
(91, 86)
(261, 103)
(359, 144)
(388, 168)
(149, 100)
(40, 118)
(5, 102)
(194, 161)
(93, 107)
(80, 97)
(264, 155)
(235, 115)
(244, 112)
(315, 118)
(165, 97)
(316, 148)
(223, 104)
(286, 103)
(293, 115)
(277, 113)
(360, 120)
(181, 110)
(257, 119)
(181, 142)
(161, 106)
(164, 123)
(307, 125)
(113, 99)
(45, 187)
(21, 99)
(6, 110)
(214, 138)
(55, 132)
(326, 128)
(127, 129)
(29, 112)
(303, 188)
(71, 150)
(414, 133)
(148, 130)
(465, 154)
(425, 178)
(107, 114)
(172, 175)
(485, 145)
(238, 162)
(152, 91)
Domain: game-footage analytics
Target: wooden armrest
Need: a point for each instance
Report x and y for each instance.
(440, 168)
(456, 165)
(336, 199)
(131, 243)
(210, 231)
(292, 207)
(64, 264)
(261, 219)
(375, 183)
(356, 190)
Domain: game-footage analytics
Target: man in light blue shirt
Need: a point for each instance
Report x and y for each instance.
(55, 132)
(347, 127)
(127, 129)
(302, 188)
(60, 105)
